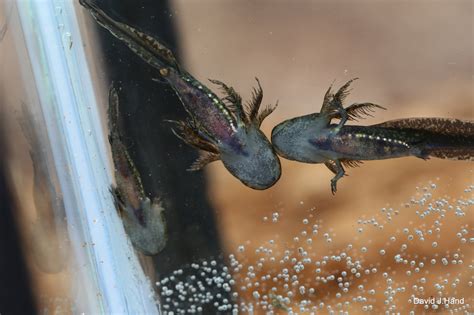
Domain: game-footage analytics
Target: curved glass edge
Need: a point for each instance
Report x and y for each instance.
(109, 276)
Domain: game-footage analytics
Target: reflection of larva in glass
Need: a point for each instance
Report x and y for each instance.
(143, 219)
(224, 129)
(48, 238)
(388, 262)
(313, 139)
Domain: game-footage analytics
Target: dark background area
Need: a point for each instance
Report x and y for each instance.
(15, 286)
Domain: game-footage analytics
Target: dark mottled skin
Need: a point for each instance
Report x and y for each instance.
(203, 105)
(367, 143)
(223, 128)
(313, 139)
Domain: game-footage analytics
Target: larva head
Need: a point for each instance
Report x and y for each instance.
(290, 137)
(251, 159)
(146, 226)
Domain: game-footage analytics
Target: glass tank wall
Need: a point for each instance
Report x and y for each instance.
(57, 160)
(88, 133)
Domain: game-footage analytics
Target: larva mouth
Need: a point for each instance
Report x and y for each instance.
(277, 133)
(277, 129)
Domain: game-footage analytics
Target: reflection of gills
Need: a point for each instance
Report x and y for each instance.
(313, 139)
(225, 129)
(143, 219)
(48, 239)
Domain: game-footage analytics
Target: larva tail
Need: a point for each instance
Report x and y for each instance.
(146, 47)
(445, 138)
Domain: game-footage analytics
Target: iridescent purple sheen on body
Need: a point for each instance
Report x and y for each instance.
(369, 143)
(203, 105)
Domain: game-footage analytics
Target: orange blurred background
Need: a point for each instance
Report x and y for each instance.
(413, 57)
